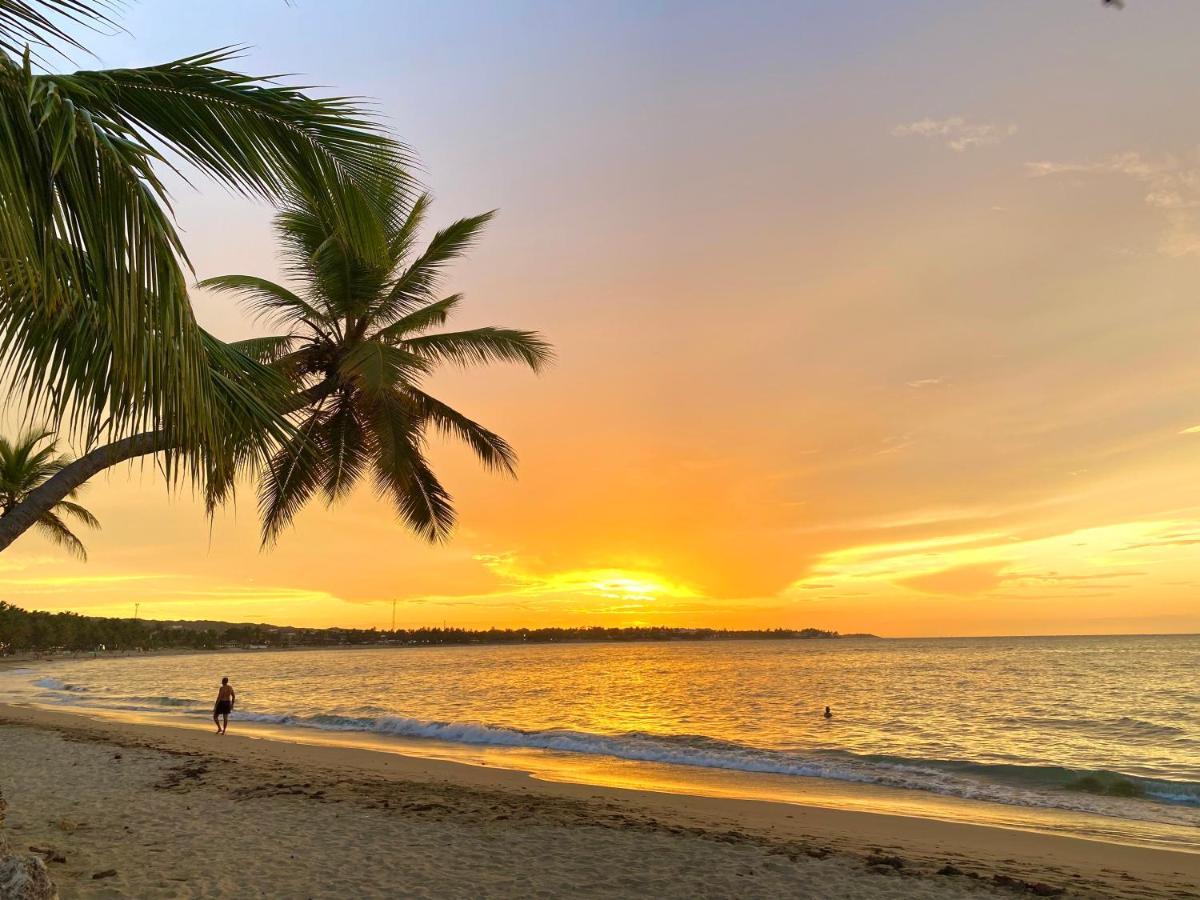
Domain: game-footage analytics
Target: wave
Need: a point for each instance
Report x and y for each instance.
(164, 701)
(1100, 782)
(56, 684)
(956, 777)
(1123, 728)
(1089, 790)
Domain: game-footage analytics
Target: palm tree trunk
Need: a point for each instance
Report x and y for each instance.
(20, 518)
(41, 499)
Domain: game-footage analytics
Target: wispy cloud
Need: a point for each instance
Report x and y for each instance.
(956, 133)
(55, 583)
(1056, 578)
(1171, 184)
(607, 583)
(594, 591)
(264, 594)
(973, 564)
(977, 578)
(894, 443)
(1156, 545)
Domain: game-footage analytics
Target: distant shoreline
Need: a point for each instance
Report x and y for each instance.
(8, 660)
(34, 631)
(15, 660)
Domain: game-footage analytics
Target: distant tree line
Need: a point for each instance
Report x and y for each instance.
(22, 630)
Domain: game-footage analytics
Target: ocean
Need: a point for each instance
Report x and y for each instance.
(1091, 735)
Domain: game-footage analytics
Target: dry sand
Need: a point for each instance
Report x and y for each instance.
(183, 813)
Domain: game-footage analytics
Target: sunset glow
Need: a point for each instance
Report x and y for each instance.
(841, 342)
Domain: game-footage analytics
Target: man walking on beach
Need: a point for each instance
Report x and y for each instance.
(224, 706)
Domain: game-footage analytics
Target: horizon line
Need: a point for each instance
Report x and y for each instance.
(484, 629)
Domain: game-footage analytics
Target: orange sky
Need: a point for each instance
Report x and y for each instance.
(866, 319)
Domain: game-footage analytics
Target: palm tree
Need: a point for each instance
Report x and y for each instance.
(23, 467)
(359, 342)
(95, 324)
(355, 354)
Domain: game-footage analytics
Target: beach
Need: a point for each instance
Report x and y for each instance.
(732, 718)
(599, 450)
(129, 809)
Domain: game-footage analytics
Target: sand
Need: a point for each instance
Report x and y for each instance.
(177, 812)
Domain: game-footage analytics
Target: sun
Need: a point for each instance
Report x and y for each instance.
(629, 587)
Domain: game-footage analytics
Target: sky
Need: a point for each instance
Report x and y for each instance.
(869, 316)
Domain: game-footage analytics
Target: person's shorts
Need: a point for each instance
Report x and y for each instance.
(223, 708)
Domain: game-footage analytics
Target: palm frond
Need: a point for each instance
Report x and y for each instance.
(265, 350)
(52, 527)
(343, 441)
(254, 400)
(249, 395)
(94, 316)
(93, 304)
(404, 235)
(403, 474)
(374, 367)
(491, 449)
(25, 446)
(70, 508)
(253, 134)
(292, 475)
(483, 345)
(265, 300)
(417, 283)
(24, 465)
(341, 271)
(419, 320)
(43, 22)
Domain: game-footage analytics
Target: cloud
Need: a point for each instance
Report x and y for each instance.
(1171, 185)
(596, 591)
(606, 583)
(1066, 565)
(56, 583)
(1153, 545)
(973, 579)
(894, 443)
(1056, 578)
(956, 133)
(264, 594)
(1131, 164)
(924, 383)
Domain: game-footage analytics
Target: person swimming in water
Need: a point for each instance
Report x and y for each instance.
(223, 706)
(828, 713)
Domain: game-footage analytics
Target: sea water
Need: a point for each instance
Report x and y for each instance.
(1101, 726)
